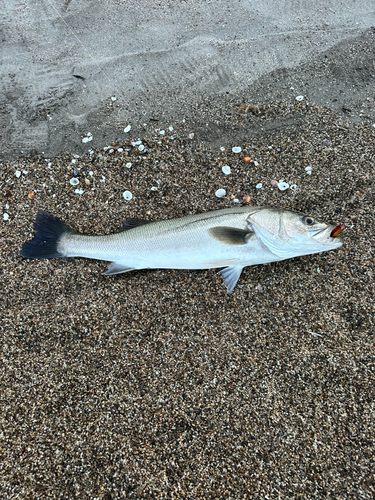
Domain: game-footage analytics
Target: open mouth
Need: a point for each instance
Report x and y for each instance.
(329, 234)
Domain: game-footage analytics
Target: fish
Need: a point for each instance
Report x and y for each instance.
(231, 239)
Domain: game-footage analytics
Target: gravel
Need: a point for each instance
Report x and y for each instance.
(157, 384)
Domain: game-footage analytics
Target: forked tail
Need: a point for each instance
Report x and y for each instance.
(48, 231)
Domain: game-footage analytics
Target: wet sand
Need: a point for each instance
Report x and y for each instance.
(157, 384)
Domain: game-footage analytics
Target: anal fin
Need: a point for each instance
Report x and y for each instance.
(116, 268)
(231, 276)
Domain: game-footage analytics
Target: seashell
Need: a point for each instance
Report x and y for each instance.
(220, 193)
(127, 195)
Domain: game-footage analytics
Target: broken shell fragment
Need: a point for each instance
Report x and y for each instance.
(127, 129)
(74, 181)
(236, 149)
(226, 170)
(127, 195)
(283, 185)
(220, 193)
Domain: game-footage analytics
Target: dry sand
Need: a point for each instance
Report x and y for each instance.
(157, 384)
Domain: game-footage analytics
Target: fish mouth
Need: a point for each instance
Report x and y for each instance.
(331, 235)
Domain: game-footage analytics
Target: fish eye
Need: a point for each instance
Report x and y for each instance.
(309, 221)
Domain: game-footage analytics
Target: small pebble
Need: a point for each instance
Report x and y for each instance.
(274, 183)
(128, 165)
(31, 195)
(6, 216)
(223, 149)
(120, 150)
(162, 132)
(91, 173)
(127, 195)
(220, 193)
(74, 181)
(17, 173)
(113, 99)
(191, 136)
(226, 169)
(246, 199)
(256, 164)
(236, 149)
(170, 129)
(247, 159)
(154, 188)
(127, 129)
(236, 200)
(308, 170)
(87, 182)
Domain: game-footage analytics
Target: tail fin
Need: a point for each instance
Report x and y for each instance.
(48, 231)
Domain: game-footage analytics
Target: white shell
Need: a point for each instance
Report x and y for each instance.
(170, 128)
(78, 191)
(127, 129)
(128, 165)
(87, 139)
(74, 181)
(127, 195)
(293, 187)
(226, 170)
(154, 188)
(258, 186)
(141, 147)
(236, 149)
(5, 216)
(283, 185)
(220, 193)
(120, 150)
(162, 132)
(299, 98)
(17, 173)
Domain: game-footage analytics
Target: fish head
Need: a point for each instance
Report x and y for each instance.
(288, 234)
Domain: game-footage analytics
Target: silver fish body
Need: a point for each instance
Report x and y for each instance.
(231, 238)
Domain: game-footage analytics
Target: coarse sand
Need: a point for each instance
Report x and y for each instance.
(157, 384)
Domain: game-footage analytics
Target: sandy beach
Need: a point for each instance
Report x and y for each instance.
(157, 383)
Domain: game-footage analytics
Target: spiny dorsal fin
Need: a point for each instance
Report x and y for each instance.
(132, 223)
(230, 235)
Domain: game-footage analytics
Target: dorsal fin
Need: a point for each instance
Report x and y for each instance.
(132, 223)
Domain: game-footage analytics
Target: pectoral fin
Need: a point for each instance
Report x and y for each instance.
(231, 276)
(230, 235)
(116, 268)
